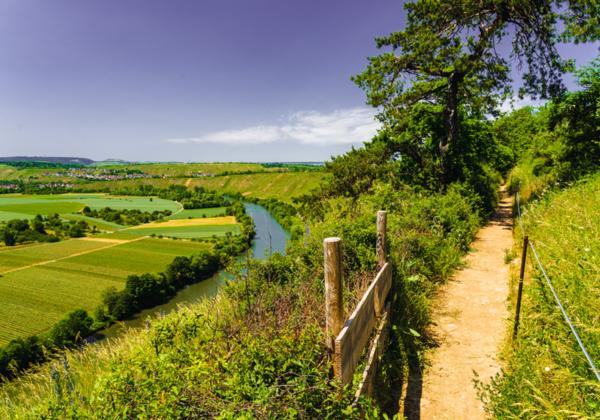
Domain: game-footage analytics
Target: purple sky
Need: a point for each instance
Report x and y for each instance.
(190, 80)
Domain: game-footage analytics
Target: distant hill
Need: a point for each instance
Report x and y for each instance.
(49, 159)
(110, 162)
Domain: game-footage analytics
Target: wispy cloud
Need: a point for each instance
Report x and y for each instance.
(344, 126)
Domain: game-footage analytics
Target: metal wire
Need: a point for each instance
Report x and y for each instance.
(519, 210)
(556, 298)
(565, 315)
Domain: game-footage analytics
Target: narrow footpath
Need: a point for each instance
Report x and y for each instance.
(470, 315)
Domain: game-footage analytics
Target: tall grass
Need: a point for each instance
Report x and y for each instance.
(547, 374)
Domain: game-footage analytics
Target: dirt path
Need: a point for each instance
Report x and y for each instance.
(470, 316)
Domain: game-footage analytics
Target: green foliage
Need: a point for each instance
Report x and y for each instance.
(126, 216)
(546, 374)
(439, 77)
(446, 57)
(576, 120)
(71, 330)
(21, 353)
(22, 164)
(41, 229)
(566, 146)
(515, 133)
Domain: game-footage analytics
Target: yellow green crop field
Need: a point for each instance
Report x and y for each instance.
(40, 284)
(188, 228)
(282, 186)
(187, 169)
(193, 213)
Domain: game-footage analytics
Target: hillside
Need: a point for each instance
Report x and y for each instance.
(564, 226)
(50, 159)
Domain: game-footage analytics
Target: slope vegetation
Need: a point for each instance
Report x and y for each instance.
(547, 374)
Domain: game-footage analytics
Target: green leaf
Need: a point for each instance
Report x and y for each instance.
(413, 332)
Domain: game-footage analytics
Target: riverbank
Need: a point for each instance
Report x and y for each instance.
(149, 292)
(270, 237)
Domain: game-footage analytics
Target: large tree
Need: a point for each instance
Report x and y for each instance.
(449, 57)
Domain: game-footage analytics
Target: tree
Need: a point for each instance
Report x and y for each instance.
(37, 224)
(576, 120)
(447, 58)
(71, 330)
(9, 237)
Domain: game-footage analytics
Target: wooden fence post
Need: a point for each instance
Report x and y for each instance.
(334, 310)
(381, 233)
(521, 277)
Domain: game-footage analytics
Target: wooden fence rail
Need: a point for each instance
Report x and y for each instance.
(351, 341)
(348, 341)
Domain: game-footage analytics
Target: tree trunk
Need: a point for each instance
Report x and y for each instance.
(451, 114)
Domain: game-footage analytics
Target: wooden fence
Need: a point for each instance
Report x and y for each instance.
(347, 340)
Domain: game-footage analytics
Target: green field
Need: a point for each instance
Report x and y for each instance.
(70, 275)
(41, 283)
(190, 214)
(21, 206)
(187, 232)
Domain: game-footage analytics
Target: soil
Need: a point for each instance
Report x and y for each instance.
(470, 317)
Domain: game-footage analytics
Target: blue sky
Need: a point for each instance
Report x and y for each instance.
(187, 80)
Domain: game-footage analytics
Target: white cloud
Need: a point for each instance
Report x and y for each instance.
(345, 126)
(515, 103)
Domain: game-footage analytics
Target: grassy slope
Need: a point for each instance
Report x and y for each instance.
(282, 186)
(186, 169)
(547, 374)
(35, 298)
(6, 172)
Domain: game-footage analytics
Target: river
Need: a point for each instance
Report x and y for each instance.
(270, 238)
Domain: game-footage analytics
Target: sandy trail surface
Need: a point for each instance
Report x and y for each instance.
(470, 315)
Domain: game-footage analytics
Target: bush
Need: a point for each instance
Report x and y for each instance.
(71, 330)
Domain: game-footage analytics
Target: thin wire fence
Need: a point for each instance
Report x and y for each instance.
(556, 298)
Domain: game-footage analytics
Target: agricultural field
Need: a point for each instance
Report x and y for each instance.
(187, 169)
(188, 228)
(39, 284)
(21, 206)
(193, 213)
(282, 186)
(6, 172)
